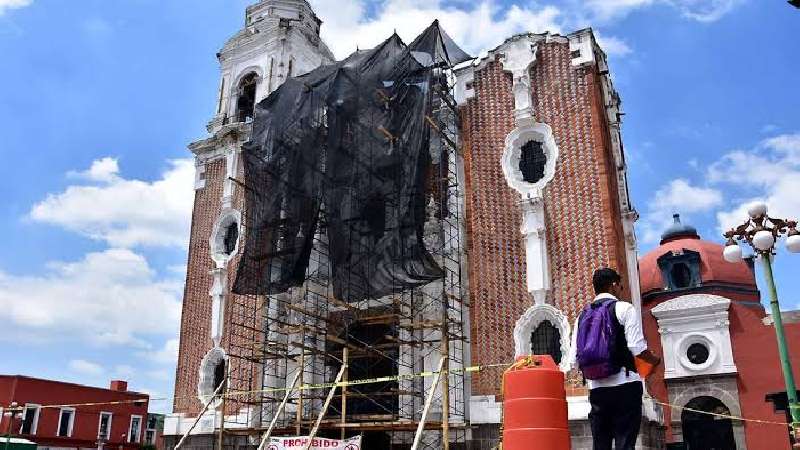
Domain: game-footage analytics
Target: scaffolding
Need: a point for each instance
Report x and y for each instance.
(307, 335)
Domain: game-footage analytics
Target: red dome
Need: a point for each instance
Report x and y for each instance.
(713, 268)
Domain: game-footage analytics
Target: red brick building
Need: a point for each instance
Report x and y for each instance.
(55, 414)
(543, 155)
(584, 214)
(705, 316)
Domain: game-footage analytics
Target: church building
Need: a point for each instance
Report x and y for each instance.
(524, 195)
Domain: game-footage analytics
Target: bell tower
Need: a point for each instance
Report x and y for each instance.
(279, 39)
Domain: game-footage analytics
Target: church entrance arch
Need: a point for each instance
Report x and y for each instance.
(705, 431)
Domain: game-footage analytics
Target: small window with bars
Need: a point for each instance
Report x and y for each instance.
(532, 161)
(231, 236)
(546, 340)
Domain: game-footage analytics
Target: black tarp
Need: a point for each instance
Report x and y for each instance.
(435, 47)
(344, 148)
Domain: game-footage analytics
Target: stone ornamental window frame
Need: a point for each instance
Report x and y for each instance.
(218, 234)
(697, 338)
(526, 131)
(531, 319)
(207, 372)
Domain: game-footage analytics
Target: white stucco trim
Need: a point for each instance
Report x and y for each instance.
(528, 130)
(533, 215)
(205, 384)
(464, 89)
(531, 319)
(695, 318)
(517, 58)
(216, 241)
(485, 409)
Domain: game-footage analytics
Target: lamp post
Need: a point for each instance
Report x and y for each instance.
(762, 232)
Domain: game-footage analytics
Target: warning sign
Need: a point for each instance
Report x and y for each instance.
(299, 443)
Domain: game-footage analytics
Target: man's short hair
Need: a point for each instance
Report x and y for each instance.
(604, 278)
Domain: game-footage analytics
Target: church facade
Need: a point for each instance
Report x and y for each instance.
(541, 199)
(720, 356)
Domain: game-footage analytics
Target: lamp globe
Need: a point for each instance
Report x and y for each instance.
(763, 240)
(757, 210)
(732, 253)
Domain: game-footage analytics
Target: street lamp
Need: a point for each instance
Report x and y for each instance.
(762, 232)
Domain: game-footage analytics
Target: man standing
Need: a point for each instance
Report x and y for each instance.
(606, 338)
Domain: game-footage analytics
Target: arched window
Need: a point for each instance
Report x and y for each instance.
(213, 370)
(546, 340)
(246, 100)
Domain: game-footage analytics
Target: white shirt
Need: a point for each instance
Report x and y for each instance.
(626, 314)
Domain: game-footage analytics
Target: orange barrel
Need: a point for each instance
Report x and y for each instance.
(535, 406)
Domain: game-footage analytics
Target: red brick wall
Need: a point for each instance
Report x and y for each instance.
(195, 334)
(584, 227)
(242, 314)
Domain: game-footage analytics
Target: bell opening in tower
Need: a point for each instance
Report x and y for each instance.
(246, 102)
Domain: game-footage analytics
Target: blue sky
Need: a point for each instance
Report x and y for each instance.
(98, 100)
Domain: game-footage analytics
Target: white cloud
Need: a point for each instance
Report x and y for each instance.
(104, 170)
(6, 5)
(612, 9)
(479, 27)
(84, 367)
(677, 196)
(680, 194)
(613, 45)
(787, 147)
(168, 354)
(770, 173)
(123, 371)
(705, 10)
(125, 212)
(109, 297)
(699, 10)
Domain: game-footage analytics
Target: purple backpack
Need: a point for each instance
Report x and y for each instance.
(598, 341)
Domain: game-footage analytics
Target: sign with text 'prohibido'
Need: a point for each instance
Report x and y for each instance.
(299, 443)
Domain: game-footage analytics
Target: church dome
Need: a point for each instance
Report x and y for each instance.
(684, 261)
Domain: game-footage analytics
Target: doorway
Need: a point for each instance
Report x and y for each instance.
(705, 431)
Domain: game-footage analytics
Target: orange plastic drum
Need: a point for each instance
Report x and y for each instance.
(535, 406)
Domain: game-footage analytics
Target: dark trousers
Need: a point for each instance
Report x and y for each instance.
(616, 415)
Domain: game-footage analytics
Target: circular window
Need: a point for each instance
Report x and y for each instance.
(532, 161)
(697, 353)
